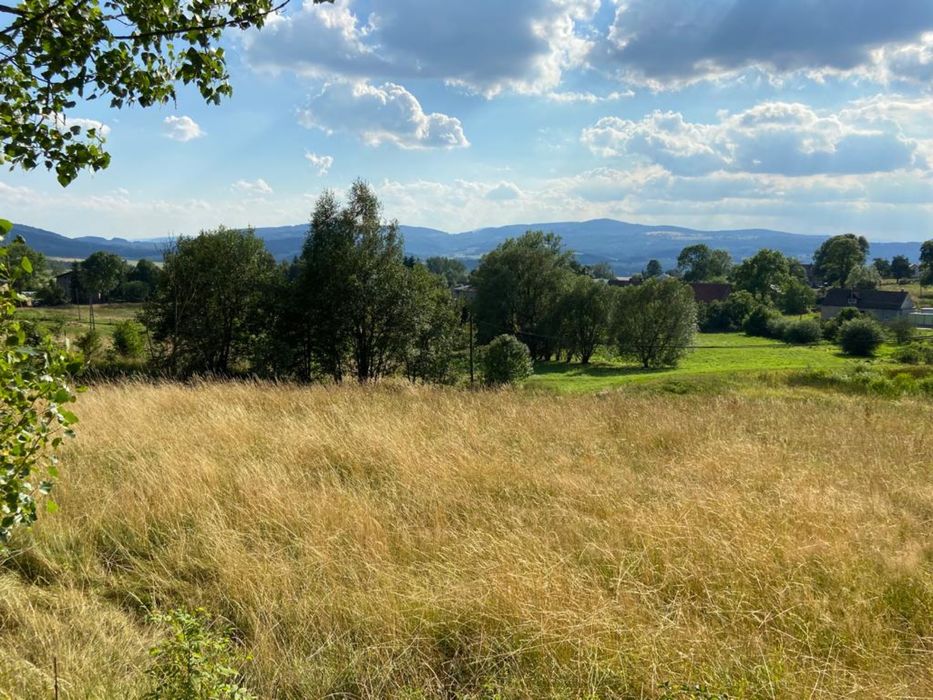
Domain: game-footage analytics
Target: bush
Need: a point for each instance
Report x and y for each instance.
(915, 354)
(90, 345)
(831, 326)
(133, 291)
(756, 323)
(902, 330)
(860, 337)
(776, 327)
(506, 361)
(51, 295)
(197, 661)
(128, 339)
(806, 331)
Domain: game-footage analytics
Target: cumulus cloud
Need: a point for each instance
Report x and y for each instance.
(668, 42)
(486, 46)
(181, 128)
(321, 163)
(257, 187)
(503, 192)
(774, 137)
(381, 114)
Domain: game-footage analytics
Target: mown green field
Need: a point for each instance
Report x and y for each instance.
(74, 320)
(721, 354)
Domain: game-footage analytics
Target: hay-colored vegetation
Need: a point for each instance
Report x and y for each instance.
(420, 543)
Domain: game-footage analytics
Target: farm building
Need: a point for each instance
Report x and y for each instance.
(68, 282)
(922, 318)
(883, 306)
(706, 292)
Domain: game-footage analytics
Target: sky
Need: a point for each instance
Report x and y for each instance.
(810, 116)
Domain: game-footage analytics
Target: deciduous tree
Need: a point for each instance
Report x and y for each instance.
(655, 322)
(836, 256)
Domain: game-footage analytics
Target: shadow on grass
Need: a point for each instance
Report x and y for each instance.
(596, 370)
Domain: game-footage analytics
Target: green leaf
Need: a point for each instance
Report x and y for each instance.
(51, 507)
(26, 265)
(5, 226)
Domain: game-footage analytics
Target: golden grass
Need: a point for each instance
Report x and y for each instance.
(416, 543)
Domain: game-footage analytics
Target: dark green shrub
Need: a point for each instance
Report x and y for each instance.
(133, 291)
(831, 326)
(506, 360)
(128, 339)
(756, 324)
(915, 354)
(860, 337)
(196, 661)
(777, 327)
(902, 330)
(90, 345)
(806, 331)
(51, 294)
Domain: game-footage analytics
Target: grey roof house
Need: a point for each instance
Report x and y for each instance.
(883, 306)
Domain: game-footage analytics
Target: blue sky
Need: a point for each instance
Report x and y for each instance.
(812, 116)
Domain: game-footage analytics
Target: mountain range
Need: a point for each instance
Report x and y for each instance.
(625, 246)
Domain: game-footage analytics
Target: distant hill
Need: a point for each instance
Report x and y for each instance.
(56, 245)
(627, 247)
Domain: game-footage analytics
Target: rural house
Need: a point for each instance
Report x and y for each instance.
(68, 282)
(707, 292)
(883, 306)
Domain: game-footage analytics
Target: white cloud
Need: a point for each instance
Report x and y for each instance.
(181, 128)
(321, 163)
(773, 137)
(381, 114)
(571, 97)
(486, 46)
(503, 192)
(671, 42)
(257, 187)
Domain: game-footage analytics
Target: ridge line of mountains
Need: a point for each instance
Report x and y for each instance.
(627, 247)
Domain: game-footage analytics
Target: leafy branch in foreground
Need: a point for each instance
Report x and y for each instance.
(54, 53)
(34, 388)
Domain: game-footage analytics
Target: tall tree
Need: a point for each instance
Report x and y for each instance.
(901, 267)
(655, 322)
(205, 311)
(99, 275)
(766, 275)
(836, 256)
(883, 267)
(55, 53)
(863, 277)
(435, 330)
(584, 313)
(601, 271)
(518, 287)
(16, 251)
(926, 253)
(653, 269)
(354, 286)
(699, 263)
(452, 270)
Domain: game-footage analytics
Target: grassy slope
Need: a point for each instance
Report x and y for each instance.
(399, 542)
(718, 353)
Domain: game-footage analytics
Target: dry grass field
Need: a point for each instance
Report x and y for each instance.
(395, 542)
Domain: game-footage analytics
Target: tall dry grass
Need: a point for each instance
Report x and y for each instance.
(415, 543)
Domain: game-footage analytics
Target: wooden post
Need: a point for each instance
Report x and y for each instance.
(55, 674)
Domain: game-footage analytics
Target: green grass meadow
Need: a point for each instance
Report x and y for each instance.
(75, 319)
(717, 357)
